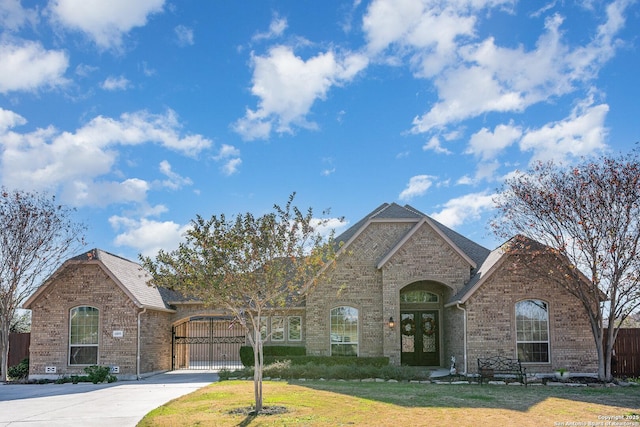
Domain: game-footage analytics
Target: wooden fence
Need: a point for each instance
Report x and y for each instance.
(627, 351)
(18, 347)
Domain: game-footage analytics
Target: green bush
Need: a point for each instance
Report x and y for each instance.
(271, 353)
(19, 371)
(378, 362)
(97, 374)
(287, 370)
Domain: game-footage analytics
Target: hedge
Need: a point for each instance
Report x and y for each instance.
(270, 353)
(297, 356)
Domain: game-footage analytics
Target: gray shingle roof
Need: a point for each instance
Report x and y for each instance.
(481, 273)
(130, 275)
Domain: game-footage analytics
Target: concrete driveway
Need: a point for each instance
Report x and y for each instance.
(121, 404)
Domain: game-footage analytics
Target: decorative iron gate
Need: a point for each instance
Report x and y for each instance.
(207, 342)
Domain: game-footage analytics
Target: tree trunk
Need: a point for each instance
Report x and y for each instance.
(608, 352)
(4, 349)
(601, 357)
(257, 370)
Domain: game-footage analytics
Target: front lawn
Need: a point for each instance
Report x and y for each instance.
(336, 403)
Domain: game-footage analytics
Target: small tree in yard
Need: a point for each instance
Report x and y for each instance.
(589, 217)
(249, 266)
(36, 234)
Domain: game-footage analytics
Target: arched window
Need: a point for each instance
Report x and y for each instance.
(532, 331)
(83, 336)
(418, 296)
(344, 331)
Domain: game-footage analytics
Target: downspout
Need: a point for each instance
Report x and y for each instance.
(464, 332)
(140, 313)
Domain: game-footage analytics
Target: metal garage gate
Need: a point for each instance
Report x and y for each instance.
(207, 342)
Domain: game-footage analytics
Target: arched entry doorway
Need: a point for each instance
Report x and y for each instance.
(207, 342)
(420, 308)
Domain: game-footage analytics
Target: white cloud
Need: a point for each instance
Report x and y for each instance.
(466, 208)
(230, 157)
(148, 236)
(417, 186)
(427, 31)
(465, 180)
(184, 35)
(580, 134)
(276, 29)
(486, 171)
(84, 70)
(105, 22)
(13, 15)
(141, 127)
(231, 166)
(487, 145)
(227, 151)
(27, 66)
(174, 181)
(486, 77)
(79, 163)
(104, 193)
(287, 86)
(9, 119)
(113, 83)
(435, 145)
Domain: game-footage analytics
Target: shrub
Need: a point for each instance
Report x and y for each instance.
(271, 353)
(287, 370)
(20, 371)
(378, 362)
(97, 374)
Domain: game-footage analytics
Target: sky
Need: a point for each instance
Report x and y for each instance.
(143, 114)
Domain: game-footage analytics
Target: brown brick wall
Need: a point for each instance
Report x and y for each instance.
(426, 258)
(354, 282)
(375, 293)
(155, 341)
(88, 284)
(491, 319)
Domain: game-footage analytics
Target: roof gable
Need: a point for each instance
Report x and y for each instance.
(127, 275)
(421, 223)
(473, 253)
(518, 244)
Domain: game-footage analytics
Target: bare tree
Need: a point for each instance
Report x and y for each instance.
(36, 235)
(249, 266)
(588, 215)
(21, 322)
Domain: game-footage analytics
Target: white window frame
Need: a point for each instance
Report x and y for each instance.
(341, 334)
(80, 345)
(289, 328)
(535, 327)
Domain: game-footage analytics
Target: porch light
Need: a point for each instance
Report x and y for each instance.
(391, 322)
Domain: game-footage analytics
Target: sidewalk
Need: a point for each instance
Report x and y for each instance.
(121, 404)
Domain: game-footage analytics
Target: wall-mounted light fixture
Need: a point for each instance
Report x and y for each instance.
(391, 322)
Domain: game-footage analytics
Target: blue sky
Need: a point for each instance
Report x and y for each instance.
(143, 114)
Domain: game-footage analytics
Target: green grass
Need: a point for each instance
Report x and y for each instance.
(336, 403)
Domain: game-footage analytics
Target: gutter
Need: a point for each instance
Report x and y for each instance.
(464, 332)
(140, 313)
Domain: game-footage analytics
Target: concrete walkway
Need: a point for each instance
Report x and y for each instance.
(121, 404)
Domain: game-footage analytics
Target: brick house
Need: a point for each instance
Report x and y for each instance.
(405, 287)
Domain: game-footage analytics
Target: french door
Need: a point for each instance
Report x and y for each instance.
(420, 335)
